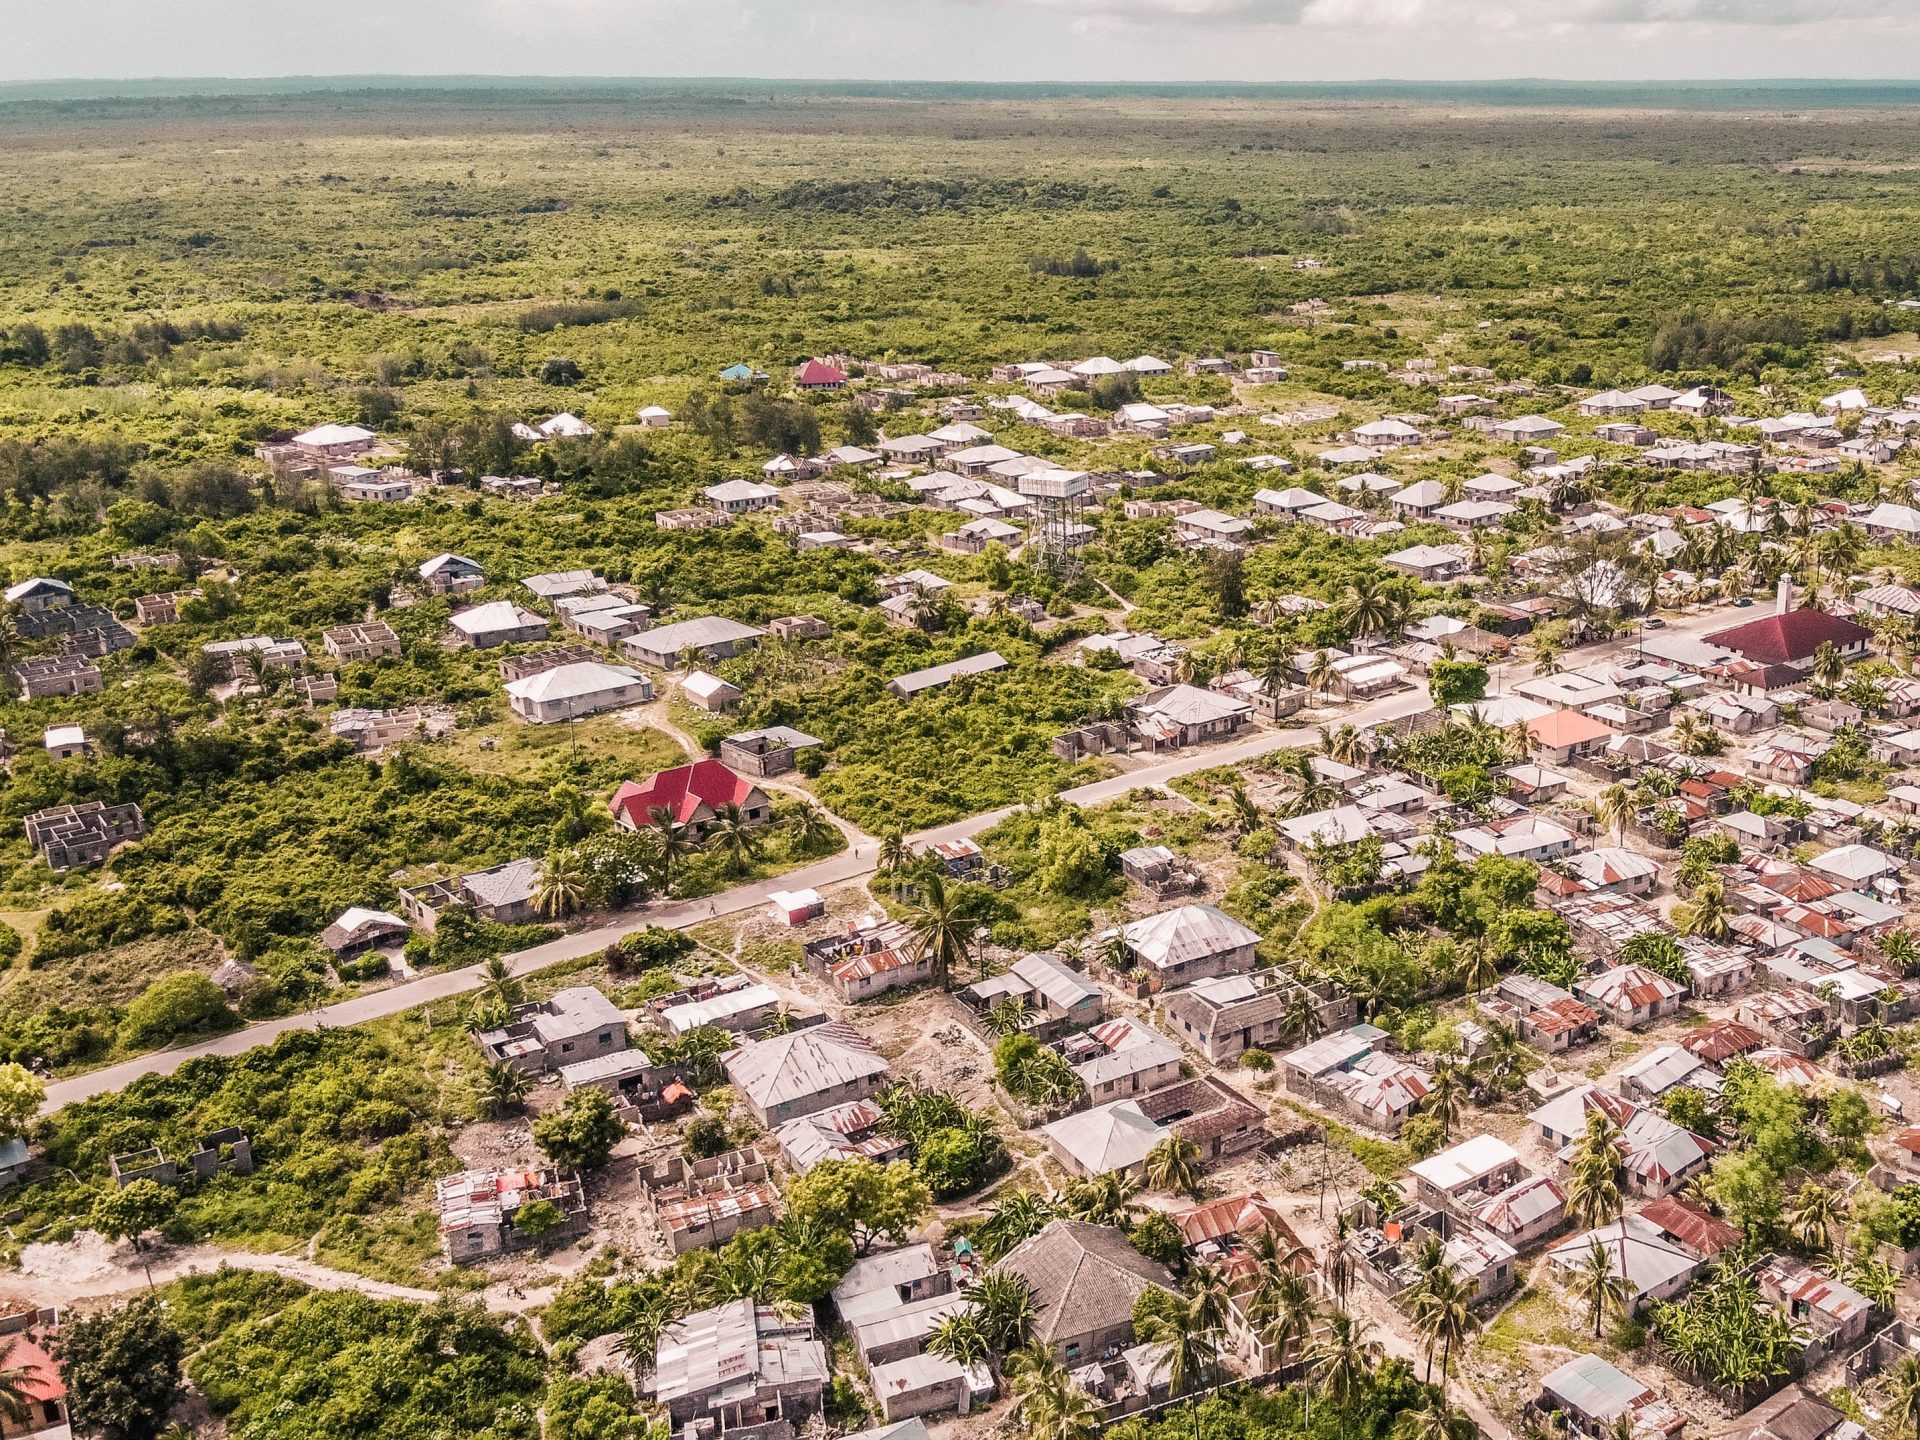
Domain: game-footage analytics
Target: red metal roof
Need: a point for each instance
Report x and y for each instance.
(1781, 639)
(1690, 1225)
(682, 790)
(818, 372)
(1722, 1040)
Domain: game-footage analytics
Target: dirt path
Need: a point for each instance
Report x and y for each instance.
(90, 1267)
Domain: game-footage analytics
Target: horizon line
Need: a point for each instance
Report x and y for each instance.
(365, 81)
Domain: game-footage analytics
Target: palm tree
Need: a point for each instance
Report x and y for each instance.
(734, 836)
(1368, 607)
(1479, 970)
(1435, 1420)
(1300, 1015)
(1829, 665)
(1502, 1059)
(1185, 1331)
(499, 989)
(1014, 1217)
(1321, 673)
(640, 1341)
(1344, 744)
(1174, 1164)
(1104, 1199)
(1594, 1284)
(1005, 1306)
(562, 887)
(895, 854)
(811, 826)
(1275, 676)
(1903, 1396)
(1052, 1404)
(1613, 808)
(1241, 810)
(1707, 914)
(959, 1338)
(1815, 1211)
(1593, 1183)
(1446, 1095)
(942, 928)
(1009, 1017)
(1443, 1314)
(1284, 1310)
(1302, 791)
(1336, 1261)
(19, 1386)
(500, 1089)
(1342, 1363)
(672, 839)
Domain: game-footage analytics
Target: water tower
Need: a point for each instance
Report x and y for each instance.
(1058, 534)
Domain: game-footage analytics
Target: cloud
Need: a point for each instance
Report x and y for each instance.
(1465, 16)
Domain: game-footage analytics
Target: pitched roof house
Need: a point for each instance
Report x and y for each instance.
(803, 1071)
(694, 794)
(1085, 1279)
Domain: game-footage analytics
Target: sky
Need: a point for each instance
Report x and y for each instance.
(971, 40)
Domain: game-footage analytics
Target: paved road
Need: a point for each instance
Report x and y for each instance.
(853, 863)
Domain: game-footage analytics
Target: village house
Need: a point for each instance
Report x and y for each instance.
(571, 1025)
(1650, 1265)
(1482, 1179)
(741, 497)
(46, 677)
(476, 1210)
(1435, 564)
(239, 656)
(1226, 1015)
(1631, 995)
(373, 640)
(1085, 1280)
(701, 1204)
(503, 894)
(739, 1366)
(569, 692)
(737, 1004)
(1836, 1315)
(919, 682)
(1525, 836)
(1659, 1156)
(805, 1070)
(1123, 1057)
(872, 956)
(1180, 715)
(498, 622)
(39, 595)
(69, 836)
(845, 1132)
(1189, 943)
(1349, 1071)
(693, 794)
(1057, 999)
(162, 609)
(1118, 1137)
(1388, 1247)
(359, 929)
(707, 639)
(772, 751)
(1547, 1017)
(1592, 1399)
(889, 1304)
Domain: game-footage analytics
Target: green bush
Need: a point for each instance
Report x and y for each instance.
(174, 1007)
